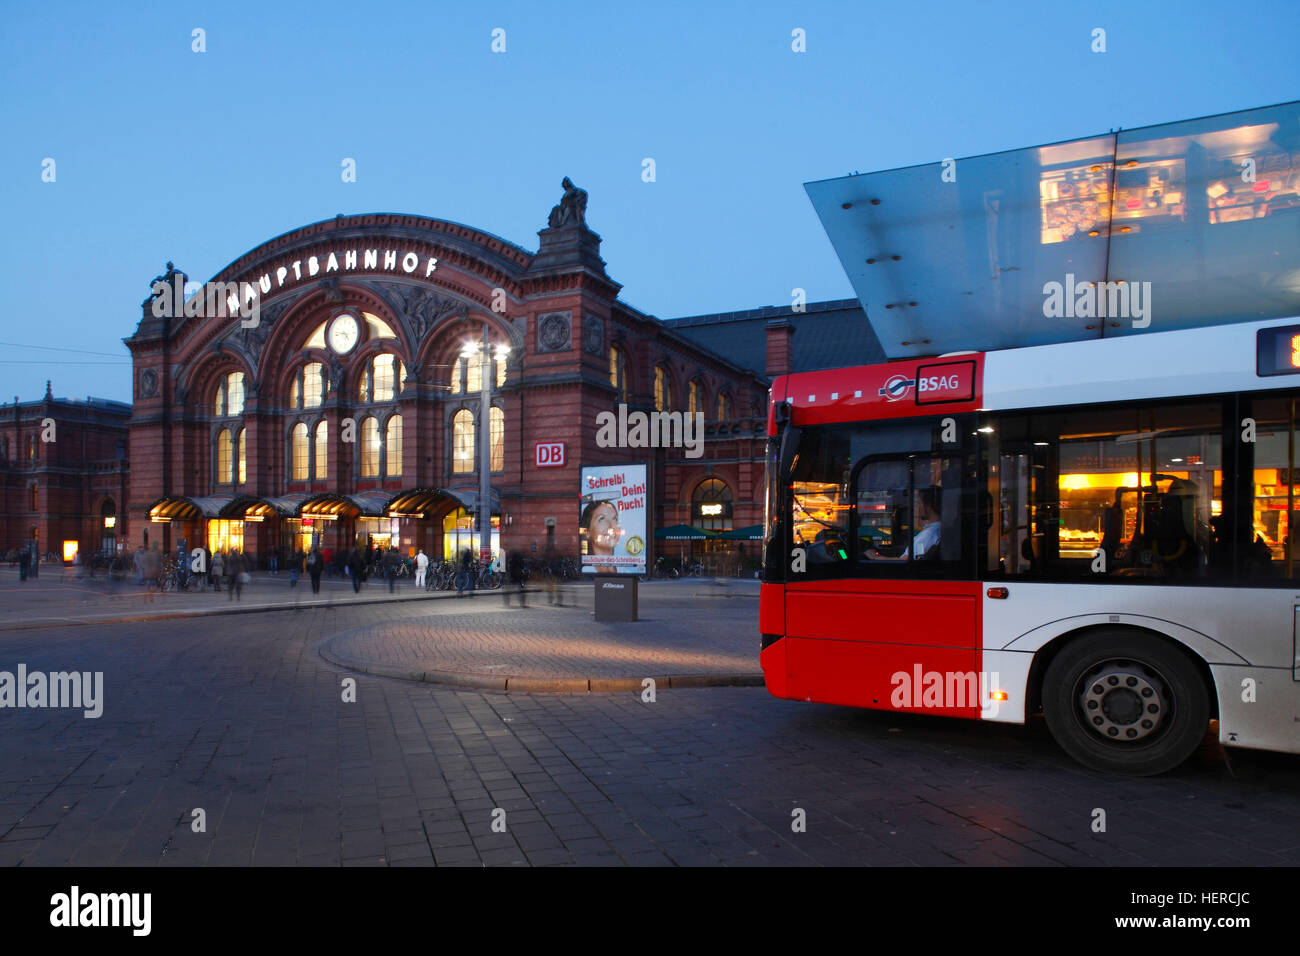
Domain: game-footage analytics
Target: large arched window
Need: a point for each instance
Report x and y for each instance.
(299, 453)
(497, 438)
(694, 397)
(618, 372)
(230, 457)
(322, 469)
(724, 407)
(370, 448)
(467, 376)
(222, 457)
(382, 379)
(711, 505)
(229, 400)
(308, 388)
(462, 442)
(393, 446)
(663, 391)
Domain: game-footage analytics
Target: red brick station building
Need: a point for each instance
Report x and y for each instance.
(348, 413)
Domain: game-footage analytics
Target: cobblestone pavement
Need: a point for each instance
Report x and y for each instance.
(241, 717)
(563, 646)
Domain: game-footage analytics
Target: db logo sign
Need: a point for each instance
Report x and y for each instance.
(549, 454)
(896, 387)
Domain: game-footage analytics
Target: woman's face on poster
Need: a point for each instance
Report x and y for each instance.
(603, 530)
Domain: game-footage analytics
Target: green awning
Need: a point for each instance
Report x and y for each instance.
(752, 533)
(683, 532)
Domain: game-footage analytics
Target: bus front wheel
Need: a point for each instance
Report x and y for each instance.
(1125, 703)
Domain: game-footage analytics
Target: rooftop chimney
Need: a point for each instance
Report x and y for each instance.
(780, 348)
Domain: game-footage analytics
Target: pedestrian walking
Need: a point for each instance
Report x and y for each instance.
(235, 576)
(152, 561)
(421, 566)
(553, 569)
(392, 561)
(295, 567)
(273, 560)
(218, 570)
(138, 561)
(315, 566)
(357, 569)
(24, 562)
(518, 579)
(465, 579)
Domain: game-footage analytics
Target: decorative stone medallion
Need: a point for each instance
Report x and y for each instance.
(553, 332)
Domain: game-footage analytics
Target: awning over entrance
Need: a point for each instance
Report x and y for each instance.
(422, 502)
(366, 504)
(285, 507)
(418, 502)
(183, 508)
(468, 498)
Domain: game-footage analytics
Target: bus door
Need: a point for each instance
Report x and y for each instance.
(886, 614)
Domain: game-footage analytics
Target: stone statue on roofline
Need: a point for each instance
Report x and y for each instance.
(572, 210)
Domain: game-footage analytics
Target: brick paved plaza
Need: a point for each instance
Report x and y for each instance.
(241, 716)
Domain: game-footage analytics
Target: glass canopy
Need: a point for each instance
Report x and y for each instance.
(1199, 219)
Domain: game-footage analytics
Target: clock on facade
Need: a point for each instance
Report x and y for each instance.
(343, 334)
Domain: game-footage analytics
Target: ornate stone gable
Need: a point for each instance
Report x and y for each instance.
(419, 309)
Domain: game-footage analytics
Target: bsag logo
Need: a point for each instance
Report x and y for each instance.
(896, 387)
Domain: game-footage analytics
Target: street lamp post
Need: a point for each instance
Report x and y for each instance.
(485, 436)
(485, 451)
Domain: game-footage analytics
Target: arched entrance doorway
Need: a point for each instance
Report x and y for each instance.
(711, 509)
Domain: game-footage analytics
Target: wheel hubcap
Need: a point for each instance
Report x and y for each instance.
(1123, 701)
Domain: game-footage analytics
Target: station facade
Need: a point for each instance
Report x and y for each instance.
(349, 414)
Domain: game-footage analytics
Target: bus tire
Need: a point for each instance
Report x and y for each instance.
(1125, 703)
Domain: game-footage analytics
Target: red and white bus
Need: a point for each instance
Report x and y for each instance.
(1102, 531)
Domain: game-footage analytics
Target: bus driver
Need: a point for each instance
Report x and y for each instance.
(928, 508)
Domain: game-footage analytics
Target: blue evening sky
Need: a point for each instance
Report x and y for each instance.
(163, 153)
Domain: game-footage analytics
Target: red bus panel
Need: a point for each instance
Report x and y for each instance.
(888, 645)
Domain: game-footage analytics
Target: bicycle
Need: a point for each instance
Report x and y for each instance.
(175, 575)
(661, 571)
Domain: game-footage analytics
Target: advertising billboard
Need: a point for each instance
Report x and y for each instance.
(612, 525)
